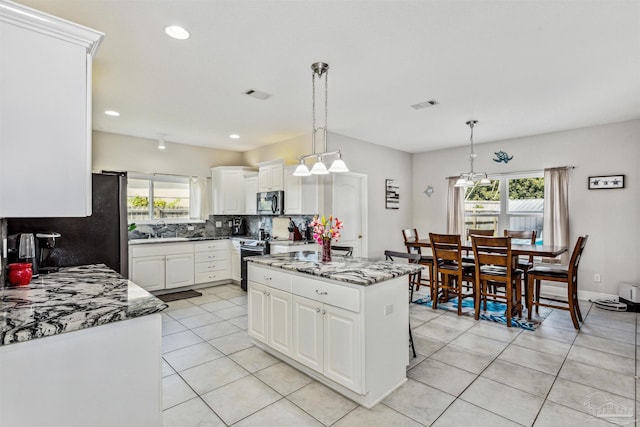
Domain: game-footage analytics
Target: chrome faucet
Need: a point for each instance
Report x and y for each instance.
(157, 227)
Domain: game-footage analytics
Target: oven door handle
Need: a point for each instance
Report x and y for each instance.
(274, 203)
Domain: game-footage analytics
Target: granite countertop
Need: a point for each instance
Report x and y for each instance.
(72, 299)
(286, 242)
(358, 271)
(173, 239)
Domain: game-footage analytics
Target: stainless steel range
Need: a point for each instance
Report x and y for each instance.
(250, 248)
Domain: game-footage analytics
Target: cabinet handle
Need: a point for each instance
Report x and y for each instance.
(324, 312)
(267, 278)
(321, 293)
(211, 256)
(268, 293)
(318, 310)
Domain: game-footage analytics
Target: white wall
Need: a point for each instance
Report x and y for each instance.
(128, 153)
(609, 217)
(378, 163)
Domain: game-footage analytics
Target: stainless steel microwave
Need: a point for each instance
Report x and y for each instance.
(271, 203)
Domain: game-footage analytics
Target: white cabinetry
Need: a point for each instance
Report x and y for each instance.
(270, 176)
(250, 194)
(211, 261)
(235, 260)
(352, 338)
(227, 184)
(45, 112)
(161, 266)
(301, 193)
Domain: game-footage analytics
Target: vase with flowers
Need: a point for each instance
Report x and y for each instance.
(323, 231)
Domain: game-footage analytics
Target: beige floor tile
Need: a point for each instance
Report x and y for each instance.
(411, 398)
(192, 413)
(233, 312)
(558, 334)
(522, 356)
(230, 293)
(480, 345)
(217, 305)
(283, 378)
(241, 322)
(495, 331)
(627, 324)
(462, 413)
(216, 330)
(606, 345)
(543, 345)
(462, 358)
(282, 413)
(175, 305)
(200, 320)
(184, 312)
(413, 361)
(426, 346)
(599, 378)
(322, 403)
(503, 400)
(179, 340)
(175, 391)
(191, 356)
(437, 332)
(516, 376)
(239, 300)
(444, 377)
(240, 399)
(423, 313)
(171, 327)
(253, 359)
(586, 399)
(231, 343)
(167, 369)
(554, 415)
(204, 298)
(600, 359)
(452, 320)
(211, 375)
(605, 332)
(379, 415)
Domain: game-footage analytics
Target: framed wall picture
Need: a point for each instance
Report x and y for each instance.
(392, 194)
(606, 182)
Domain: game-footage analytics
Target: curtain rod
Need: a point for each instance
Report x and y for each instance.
(520, 172)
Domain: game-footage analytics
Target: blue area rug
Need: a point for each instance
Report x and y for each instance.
(495, 312)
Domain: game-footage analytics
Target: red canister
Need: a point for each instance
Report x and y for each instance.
(20, 273)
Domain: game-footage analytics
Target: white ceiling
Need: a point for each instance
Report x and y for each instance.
(519, 67)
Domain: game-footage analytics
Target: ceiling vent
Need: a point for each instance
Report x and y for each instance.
(425, 104)
(257, 94)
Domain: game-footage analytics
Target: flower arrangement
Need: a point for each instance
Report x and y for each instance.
(324, 228)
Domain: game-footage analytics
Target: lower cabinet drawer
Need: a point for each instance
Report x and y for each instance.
(328, 293)
(212, 276)
(269, 277)
(211, 256)
(203, 267)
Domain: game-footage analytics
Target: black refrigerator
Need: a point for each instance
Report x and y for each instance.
(99, 238)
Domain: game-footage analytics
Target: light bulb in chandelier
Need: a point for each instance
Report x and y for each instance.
(302, 169)
(319, 168)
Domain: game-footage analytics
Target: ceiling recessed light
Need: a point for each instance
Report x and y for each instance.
(234, 136)
(425, 104)
(112, 113)
(177, 32)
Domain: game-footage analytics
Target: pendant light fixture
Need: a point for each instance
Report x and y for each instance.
(319, 168)
(469, 179)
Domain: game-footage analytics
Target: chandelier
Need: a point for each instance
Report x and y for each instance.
(469, 179)
(320, 69)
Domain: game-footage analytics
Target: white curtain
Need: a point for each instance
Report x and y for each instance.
(199, 195)
(556, 209)
(455, 208)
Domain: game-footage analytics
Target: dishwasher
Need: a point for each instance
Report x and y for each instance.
(250, 248)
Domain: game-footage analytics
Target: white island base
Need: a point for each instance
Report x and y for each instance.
(104, 376)
(352, 338)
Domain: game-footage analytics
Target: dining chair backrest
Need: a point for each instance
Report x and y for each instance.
(347, 250)
(492, 251)
(478, 232)
(411, 235)
(575, 258)
(446, 247)
(412, 258)
(524, 235)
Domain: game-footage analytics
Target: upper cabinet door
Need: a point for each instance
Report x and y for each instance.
(45, 115)
(270, 176)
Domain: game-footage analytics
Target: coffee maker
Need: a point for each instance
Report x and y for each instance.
(21, 248)
(45, 242)
(238, 227)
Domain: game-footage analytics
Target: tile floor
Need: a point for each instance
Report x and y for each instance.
(467, 373)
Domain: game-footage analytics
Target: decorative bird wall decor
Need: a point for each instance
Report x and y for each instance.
(502, 156)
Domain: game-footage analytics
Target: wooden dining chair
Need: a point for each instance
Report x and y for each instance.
(411, 235)
(342, 250)
(496, 268)
(450, 272)
(479, 232)
(567, 274)
(413, 280)
(524, 262)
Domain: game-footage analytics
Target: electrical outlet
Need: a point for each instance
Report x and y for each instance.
(388, 309)
(596, 278)
(218, 224)
(190, 228)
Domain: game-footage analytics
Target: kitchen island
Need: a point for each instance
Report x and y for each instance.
(344, 323)
(80, 347)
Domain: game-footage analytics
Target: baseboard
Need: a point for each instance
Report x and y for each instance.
(556, 291)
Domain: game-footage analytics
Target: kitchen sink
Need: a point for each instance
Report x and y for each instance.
(158, 240)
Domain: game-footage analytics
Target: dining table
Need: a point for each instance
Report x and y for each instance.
(547, 251)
